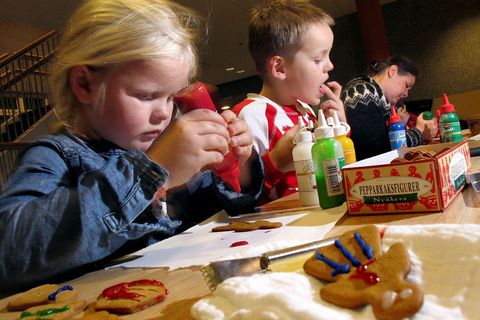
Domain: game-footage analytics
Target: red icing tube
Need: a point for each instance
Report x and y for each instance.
(195, 96)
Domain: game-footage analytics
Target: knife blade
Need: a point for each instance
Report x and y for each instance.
(216, 272)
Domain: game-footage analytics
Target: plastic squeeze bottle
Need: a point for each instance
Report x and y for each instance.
(340, 132)
(196, 96)
(396, 132)
(328, 160)
(302, 159)
(450, 130)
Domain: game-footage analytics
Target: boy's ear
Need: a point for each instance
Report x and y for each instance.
(276, 67)
(81, 81)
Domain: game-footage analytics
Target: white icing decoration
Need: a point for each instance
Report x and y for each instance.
(388, 298)
(406, 293)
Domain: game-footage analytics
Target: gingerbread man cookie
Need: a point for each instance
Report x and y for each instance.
(47, 293)
(360, 274)
(242, 226)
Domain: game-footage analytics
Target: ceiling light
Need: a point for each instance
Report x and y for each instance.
(230, 69)
(240, 71)
(225, 108)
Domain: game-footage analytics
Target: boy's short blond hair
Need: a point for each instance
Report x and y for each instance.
(103, 33)
(277, 27)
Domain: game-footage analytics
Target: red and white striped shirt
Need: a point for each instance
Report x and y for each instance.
(268, 122)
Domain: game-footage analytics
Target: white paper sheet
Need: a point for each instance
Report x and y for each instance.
(199, 246)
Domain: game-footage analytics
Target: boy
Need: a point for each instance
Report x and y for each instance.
(290, 42)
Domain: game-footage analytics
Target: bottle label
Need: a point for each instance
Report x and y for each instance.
(398, 140)
(305, 175)
(333, 177)
(451, 131)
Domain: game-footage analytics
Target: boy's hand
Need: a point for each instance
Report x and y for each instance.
(281, 154)
(332, 91)
(241, 140)
(193, 141)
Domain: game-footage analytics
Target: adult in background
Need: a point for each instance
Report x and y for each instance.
(368, 100)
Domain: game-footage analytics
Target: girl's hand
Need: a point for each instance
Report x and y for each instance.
(241, 140)
(332, 91)
(193, 141)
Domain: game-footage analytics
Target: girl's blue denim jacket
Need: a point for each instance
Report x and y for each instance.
(71, 203)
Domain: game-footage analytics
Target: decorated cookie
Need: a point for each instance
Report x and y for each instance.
(318, 268)
(130, 297)
(360, 274)
(48, 293)
(54, 311)
(242, 226)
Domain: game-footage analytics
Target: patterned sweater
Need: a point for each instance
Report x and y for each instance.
(368, 111)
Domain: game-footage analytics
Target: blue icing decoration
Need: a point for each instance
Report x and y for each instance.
(53, 296)
(366, 249)
(337, 267)
(354, 261)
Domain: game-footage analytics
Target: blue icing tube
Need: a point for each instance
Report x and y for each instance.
(366, 249)
(53, 296)
(337, 267)
(354, 261)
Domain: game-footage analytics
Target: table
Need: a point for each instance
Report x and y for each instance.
(186, 286)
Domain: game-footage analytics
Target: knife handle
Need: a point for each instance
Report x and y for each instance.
(270, 257)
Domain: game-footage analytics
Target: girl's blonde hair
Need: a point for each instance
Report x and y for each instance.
(104, 33)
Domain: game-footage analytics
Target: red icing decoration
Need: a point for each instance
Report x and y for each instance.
(239, 243)
(370, 278)
(382, 232)
(121, 290)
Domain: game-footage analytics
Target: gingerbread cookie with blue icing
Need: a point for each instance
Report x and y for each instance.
(360, 274)
(47, 293)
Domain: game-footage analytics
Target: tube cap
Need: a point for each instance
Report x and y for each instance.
(394, 118)
(303, 134)
(427, 115)
(447, 106)
(323, 130)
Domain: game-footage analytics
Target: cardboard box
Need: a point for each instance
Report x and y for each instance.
(374, 186)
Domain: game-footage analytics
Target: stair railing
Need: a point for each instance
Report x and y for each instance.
(24, 86)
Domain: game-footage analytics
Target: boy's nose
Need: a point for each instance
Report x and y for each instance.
(329, 65)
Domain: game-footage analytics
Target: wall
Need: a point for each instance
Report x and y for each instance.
(442, 37)
(19, 35)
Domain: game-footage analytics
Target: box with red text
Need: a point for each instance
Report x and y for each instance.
(376, 186)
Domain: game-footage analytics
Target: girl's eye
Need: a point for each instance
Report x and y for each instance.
(145, 97)
(318, 61)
